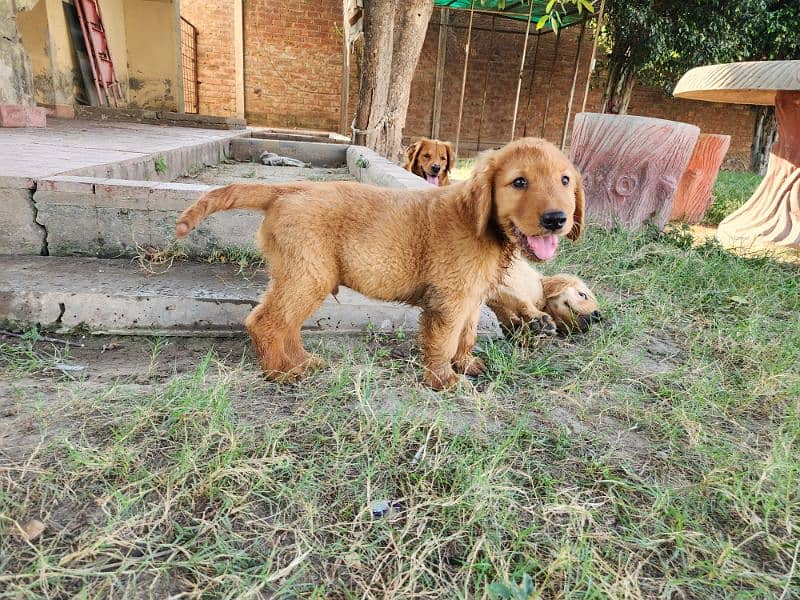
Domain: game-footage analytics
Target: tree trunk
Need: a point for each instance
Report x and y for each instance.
(393, 36)
(370, 121)
(412, 23)
(693, 197)
(765, 129)
(621, 79)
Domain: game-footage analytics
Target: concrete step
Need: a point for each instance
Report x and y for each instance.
(118, 296)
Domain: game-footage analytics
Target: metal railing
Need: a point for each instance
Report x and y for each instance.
(191, 92)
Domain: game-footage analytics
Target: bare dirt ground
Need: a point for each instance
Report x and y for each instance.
(241, 172)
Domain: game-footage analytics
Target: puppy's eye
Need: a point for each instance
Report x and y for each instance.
(565, 179)
(520, 183)
(443, 158)
(426, 156)
(583, 295)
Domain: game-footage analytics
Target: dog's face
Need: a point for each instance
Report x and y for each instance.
(570, 303)
(532, 191)
(430, 159)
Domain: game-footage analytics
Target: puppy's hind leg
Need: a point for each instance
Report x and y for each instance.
(274, 325)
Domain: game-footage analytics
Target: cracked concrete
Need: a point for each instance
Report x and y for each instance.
(116, 296)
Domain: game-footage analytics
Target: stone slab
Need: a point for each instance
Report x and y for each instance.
(117, 296)
(367, 166)
(17, 115)
(19, 231)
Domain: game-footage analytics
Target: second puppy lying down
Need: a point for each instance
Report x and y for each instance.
(526, 298)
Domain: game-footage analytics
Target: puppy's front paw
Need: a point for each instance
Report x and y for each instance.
(543, 326)
(471, 365)
(441, 379)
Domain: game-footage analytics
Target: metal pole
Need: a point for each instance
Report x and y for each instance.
(598, 27)
(464, 77)
(521, 71)
(572, 89)
(441, 57)
(550, 84)
(345, 98)
(530, 88)
(485, 83)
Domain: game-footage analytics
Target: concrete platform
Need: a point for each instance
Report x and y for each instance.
(75, 147)
(116, 296)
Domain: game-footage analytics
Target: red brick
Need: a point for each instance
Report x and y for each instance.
(16, 115)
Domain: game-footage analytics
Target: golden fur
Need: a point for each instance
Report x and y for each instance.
(425, 156)
(441, 249)
(526, 298)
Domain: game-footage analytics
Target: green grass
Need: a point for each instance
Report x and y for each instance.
(731, 190)
(656, 456)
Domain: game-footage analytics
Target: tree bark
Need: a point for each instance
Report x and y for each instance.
(370, 120)
(765, 129)
(621, 79)
(393, 36)
(412, 24)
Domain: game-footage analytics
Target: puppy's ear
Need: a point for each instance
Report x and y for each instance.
(580, 209)
(411, 155)
(451, 158)
(479, 193)
(555, 285)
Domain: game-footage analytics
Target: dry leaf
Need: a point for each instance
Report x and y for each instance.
(33, 529)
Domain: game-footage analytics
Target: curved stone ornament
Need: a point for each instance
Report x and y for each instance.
(694, 190)
(631, 166)
(771, 217)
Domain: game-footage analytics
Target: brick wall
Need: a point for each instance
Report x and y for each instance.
(493, 73)
(293, 63)
(216, 70)
(292, 77)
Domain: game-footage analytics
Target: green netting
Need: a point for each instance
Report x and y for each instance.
(515, 9)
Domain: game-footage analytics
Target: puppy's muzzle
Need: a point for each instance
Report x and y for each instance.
(435, 168)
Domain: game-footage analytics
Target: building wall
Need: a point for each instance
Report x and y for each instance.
(219, 54)
(32, 27)
(293, 63)
(154, 71)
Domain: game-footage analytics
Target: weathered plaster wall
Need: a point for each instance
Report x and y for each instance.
(32, 26)
(153, 54)
(16, 81)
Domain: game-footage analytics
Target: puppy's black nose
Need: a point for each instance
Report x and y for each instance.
(435, 169)
(596, 316)
(553, 219)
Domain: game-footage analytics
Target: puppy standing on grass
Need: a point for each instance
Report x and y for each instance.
(440, 249)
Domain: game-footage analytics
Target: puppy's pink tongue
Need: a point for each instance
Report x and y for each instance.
(432, 179)
(543, 246)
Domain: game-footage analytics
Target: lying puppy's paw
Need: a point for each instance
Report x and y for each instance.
(543, 326)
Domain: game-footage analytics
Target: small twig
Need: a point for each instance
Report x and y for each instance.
(41, 338)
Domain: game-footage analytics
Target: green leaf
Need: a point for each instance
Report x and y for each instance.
(550, 6)
(542, 21)
(500, 590)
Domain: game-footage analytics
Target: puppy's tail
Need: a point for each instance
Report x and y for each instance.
(254, 197)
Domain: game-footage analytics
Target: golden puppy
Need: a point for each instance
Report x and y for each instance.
(441, 249)
(525, 298)
(431, 160)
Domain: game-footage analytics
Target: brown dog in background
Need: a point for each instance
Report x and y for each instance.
(441, 249)
(525, 298)
(430, 159)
